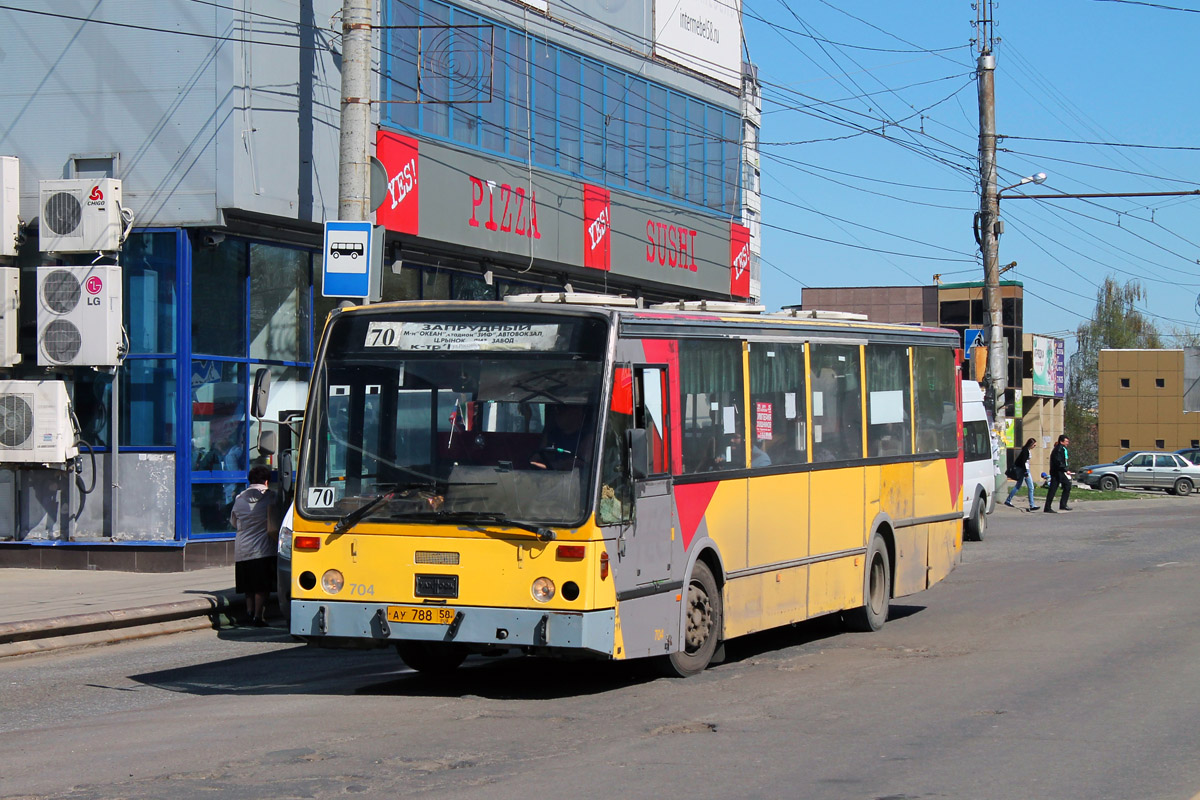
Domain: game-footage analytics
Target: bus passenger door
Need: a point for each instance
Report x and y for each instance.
(646, 551)
(648, 544)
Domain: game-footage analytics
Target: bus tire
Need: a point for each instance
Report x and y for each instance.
(431, 658)
(977, 524)
(877, 590)
(703, 626)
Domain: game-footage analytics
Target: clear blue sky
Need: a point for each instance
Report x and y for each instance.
(842, 207)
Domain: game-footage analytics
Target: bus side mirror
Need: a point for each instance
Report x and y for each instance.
(285, 472)
(266, 443)
(639, 453)
(261, 393)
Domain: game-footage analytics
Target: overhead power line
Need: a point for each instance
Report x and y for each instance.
(1103, 144)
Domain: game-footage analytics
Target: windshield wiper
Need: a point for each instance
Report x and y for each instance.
(543, 533)
(354, 517)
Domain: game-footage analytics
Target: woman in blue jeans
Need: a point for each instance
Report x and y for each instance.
(1021, 468)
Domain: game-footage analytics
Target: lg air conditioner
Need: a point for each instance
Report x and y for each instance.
(35, 423)
(79, 316)
(79, 215)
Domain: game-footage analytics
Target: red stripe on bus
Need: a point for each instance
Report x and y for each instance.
(691, 501)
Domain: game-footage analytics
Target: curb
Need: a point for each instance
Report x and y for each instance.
(53, 633)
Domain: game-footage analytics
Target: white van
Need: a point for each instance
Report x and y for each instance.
(981, 463)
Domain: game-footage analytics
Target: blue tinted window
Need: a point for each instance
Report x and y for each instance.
(492, 110)
(148, 393)
(694, 159)
(219, 298)
(731, 161)
(219, 392)
(401, 79)
(544, 103)
(595, 122)
(614, 127)
(279, 283)
(149, 262)
(147, 413)
(635, 102)
(467, 69)
(518, 53)
(656, 135)
(570, 131)
(434, 74)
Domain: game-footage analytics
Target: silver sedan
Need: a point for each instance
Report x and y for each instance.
(1143, 470)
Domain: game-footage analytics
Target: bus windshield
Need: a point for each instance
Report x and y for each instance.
(491, 417)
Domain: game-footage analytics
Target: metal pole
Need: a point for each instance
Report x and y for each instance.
(354, 170)
(989, 215)
(114, 429)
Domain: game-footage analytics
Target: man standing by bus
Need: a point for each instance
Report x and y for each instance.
(1059, 476)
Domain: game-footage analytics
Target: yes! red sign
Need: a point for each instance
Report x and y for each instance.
(597, 223)
(739, 260)
(399, 210)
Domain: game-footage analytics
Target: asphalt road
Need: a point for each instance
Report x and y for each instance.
(1058, 661)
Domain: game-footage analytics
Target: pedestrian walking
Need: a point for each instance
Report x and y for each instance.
(1059, 476)
(256, 520)
(1020, 473)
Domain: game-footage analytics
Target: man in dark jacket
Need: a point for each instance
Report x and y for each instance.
(1059, 476)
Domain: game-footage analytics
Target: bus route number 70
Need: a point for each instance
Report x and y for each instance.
(320, 497)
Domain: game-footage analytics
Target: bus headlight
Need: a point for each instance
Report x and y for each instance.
(332, 581)
(542, 590)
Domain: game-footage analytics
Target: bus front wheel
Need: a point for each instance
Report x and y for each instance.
(877, 590)
(703, 626)
(431, 658)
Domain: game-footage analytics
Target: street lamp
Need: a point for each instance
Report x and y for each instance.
(987, 234)
(1038, 178)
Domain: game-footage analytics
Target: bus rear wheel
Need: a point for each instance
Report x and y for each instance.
(431, 658)
(703, 629)
(877, 590)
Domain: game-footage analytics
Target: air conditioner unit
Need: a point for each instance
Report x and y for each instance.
(10, 306)
(35, 423)
(79, 316)
(79, 215)
(10, 204)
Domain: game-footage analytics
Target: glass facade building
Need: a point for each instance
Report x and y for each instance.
(540, 149)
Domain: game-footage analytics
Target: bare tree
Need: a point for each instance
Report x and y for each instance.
(1116, 323)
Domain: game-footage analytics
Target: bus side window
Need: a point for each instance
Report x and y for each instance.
(777, 404)
(650, 414)
(710, 382)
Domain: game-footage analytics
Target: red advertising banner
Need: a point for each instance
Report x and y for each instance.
(597, 224)
(739, 260)
(400, 208)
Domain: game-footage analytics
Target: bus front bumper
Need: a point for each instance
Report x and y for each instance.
(591, 631)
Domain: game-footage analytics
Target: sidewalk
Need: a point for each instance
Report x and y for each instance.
(43, 609)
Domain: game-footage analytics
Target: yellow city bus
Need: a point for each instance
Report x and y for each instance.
(587, 477)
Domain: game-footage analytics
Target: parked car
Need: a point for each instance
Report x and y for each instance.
(1192, 454)
(982, 475)
(1142, 469)
(283, 565)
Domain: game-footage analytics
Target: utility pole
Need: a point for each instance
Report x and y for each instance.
(354, 166)
(988, 219)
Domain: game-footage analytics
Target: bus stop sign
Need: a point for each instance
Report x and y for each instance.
(347, 259)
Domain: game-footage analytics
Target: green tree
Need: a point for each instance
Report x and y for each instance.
(1116, 324)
